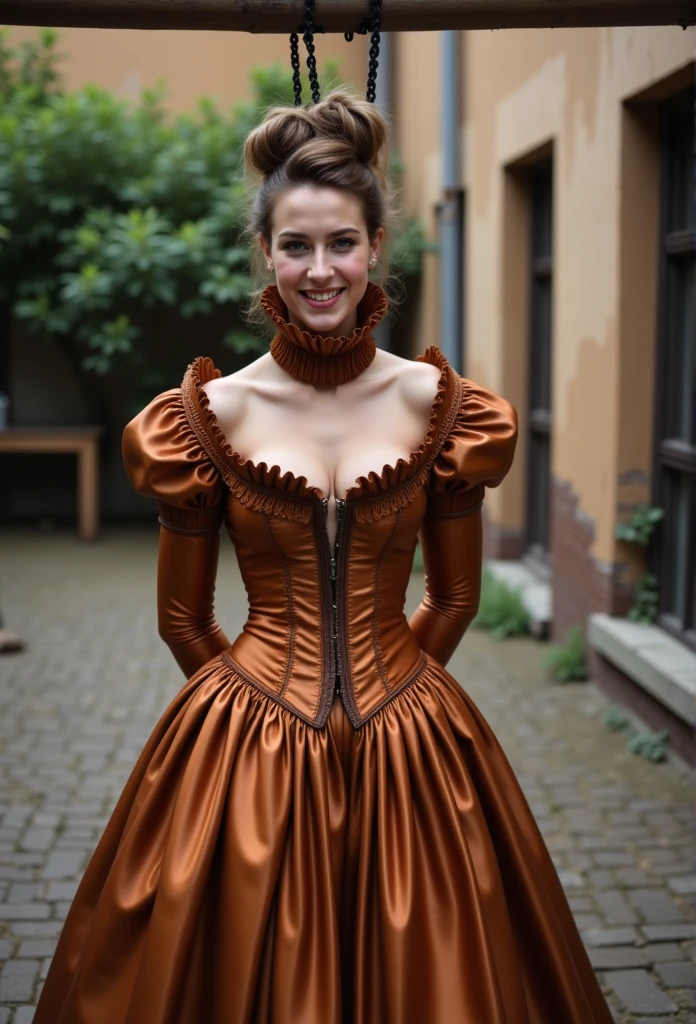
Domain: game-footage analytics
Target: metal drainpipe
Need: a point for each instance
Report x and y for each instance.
(451, 339)
(383, 100)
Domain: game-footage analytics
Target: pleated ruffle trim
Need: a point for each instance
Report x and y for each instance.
(269, 489)
(325, 360)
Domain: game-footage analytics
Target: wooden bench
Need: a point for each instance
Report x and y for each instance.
(81, 441)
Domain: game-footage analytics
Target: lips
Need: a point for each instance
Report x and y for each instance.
(322, 299)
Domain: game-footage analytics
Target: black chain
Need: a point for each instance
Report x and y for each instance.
(373, 23)
(374, 51)
(295, 64)
(309, 43)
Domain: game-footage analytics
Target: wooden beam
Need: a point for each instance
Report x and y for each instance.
(285, 16)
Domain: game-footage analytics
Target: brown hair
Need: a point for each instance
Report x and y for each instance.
(341, 142)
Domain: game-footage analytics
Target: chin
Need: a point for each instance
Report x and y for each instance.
(322, 322)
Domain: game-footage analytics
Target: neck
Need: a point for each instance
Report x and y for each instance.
(322, 359)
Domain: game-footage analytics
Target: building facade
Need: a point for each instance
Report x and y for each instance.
(578, 293)
(579, 305)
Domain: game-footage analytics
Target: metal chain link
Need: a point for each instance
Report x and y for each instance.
(295, 64)
(309, 43)
(374, 23)
(374, 51)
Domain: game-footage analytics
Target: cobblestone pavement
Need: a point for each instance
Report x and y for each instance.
(78, 705)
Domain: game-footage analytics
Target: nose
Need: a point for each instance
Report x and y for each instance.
(320, 268)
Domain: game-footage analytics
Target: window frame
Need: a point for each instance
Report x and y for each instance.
(674, 458)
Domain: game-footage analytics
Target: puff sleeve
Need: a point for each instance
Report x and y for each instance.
(477, 454)
(165, 460)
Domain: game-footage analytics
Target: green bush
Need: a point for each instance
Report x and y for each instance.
(112, 212)
(566, 663)
(501, 609)
(650, 745)
(641, 525)
(639, 530)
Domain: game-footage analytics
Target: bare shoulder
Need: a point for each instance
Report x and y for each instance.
(418, 382)
(227, 395)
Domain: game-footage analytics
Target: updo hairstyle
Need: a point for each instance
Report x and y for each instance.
(342, 142)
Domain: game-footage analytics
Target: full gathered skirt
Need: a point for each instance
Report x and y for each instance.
(256, 869)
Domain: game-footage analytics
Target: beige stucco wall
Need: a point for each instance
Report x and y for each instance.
(564, 90)
(192, 63)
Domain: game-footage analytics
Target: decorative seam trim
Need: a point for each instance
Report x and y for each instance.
(191, 520)
(379, 656)
(266, 499)
(369, 509)
(180, 529)
(417, 672)
(434, 514)
(325, 695)
(290, 639)
(255, 496)
(457, 502)
(262, 688)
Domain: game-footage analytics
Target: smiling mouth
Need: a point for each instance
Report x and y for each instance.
(327, 296)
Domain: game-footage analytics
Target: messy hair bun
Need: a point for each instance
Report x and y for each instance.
(311, 142)
(341, 142)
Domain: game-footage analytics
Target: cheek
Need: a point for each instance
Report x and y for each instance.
(354, 266)
(288, 270)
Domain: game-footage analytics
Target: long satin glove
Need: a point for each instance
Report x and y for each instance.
(186, 570)
(452, 554)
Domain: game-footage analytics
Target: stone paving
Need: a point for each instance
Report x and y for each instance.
(78, 705)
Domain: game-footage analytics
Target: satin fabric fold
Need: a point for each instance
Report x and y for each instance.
(276, 858)
(258, 870)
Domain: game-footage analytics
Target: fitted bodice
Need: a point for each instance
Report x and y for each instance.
(322, 618)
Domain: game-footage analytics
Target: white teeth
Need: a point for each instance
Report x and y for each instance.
(322, 296)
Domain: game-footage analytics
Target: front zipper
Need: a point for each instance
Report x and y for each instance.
(333, 565)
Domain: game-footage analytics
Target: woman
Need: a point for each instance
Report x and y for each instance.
(322, 827)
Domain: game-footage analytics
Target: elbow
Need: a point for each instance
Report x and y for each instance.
(459, 605)
(177, 631)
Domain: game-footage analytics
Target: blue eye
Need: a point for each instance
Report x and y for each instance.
(350, 242)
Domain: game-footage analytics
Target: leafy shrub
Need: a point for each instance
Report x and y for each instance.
(111, 212)
(647, 599)
(641, 525)
(651, 745)
(639, 530)
(567, 663)
(501, 608)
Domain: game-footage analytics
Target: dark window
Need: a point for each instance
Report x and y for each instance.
(675, 407)
(540, 350)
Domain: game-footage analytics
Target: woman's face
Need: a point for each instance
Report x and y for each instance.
(320, 251)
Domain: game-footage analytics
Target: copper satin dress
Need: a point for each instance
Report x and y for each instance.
(284, 853)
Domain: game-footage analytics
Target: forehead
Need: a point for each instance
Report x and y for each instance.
(316, 211)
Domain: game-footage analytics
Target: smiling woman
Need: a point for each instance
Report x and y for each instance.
(322, 826)
(322, 206)
(321, 270)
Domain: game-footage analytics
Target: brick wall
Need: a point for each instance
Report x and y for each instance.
(581, 583)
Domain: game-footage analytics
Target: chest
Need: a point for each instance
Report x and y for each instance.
(332, 439)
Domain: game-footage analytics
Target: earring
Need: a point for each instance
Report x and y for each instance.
(269, 264)
(373, 261)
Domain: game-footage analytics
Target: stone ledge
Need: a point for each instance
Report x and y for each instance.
(650, 657)
(536, 594)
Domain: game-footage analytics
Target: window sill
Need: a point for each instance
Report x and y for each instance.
(660, 664)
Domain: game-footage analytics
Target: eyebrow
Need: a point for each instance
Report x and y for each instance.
(332, 234)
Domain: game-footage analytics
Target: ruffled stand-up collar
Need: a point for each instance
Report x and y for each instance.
(316, 359)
